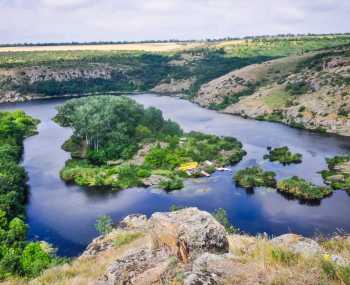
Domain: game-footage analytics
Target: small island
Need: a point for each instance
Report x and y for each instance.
(119, 144)
(283, 155)
(338, 173)
(255, 177)
(302, 189)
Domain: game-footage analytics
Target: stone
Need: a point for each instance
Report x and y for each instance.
(135, 222)
(298, 244)
(144, 266)
(188, 232)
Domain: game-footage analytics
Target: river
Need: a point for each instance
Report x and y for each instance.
(64, 215)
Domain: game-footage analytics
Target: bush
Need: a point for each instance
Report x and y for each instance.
(34, 260)
(221, 216)
(174, 183)
(104, 225)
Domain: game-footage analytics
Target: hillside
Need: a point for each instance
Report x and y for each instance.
(189, 246)
(309, 91)
(42, 72)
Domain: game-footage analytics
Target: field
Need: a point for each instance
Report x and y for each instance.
(147, 47)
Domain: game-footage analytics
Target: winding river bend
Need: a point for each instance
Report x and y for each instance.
(64, 215)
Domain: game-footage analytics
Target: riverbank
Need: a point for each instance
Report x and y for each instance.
(64, 214)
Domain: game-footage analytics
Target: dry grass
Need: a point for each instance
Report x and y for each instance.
(148, 47)
(279, 266)
(85, 271)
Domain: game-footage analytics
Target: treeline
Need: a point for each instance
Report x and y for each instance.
(17, 256)
(73, 43)
(112, 127)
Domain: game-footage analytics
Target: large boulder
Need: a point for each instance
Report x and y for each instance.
(298, 244)
(188, 232)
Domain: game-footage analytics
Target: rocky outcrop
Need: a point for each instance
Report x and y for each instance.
(187, 233)
(174, 86)
(298, 244)
(310, 91)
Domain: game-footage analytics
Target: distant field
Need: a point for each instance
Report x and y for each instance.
(149, 47)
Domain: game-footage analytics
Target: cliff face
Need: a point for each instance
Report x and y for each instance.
(310, 91)
(190, 247)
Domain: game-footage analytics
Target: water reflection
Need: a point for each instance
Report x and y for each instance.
(65, 214)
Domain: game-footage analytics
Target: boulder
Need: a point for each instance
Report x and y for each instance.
(188, 232)
(143, 266)
(134, 222)
(298, 244)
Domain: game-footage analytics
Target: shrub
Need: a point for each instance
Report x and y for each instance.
(34, 260)
(221, 216)
(174, 183)
(104, 225)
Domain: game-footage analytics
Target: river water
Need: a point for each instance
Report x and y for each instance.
(64, 215)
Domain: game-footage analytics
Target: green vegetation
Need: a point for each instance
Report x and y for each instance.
(301, 189)
(126, 238)
(283, 155)
(338, 173)
(17, 256)
(221, 216)
(104, 225)
(255, 177)
(141, 71)
(119, 144)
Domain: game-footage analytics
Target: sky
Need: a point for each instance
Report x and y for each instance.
(134, 20)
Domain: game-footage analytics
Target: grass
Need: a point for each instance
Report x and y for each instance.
(277, 99)
(265, 263)
(302, 189)
(125, 238)
(255, 177)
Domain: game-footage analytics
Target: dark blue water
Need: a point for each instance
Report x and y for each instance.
(65, 215)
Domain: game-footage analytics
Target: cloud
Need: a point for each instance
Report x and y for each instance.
(89, 20)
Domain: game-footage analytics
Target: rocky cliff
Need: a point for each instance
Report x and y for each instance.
(190, 247)
(311, 91)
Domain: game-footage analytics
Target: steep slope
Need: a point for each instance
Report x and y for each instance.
(310, 91)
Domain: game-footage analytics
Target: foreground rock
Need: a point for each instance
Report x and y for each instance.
(188, 232)
(190, 247)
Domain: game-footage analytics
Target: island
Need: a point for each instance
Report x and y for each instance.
(283, 155)
(338, 173)
(118, 144)
(250, 178)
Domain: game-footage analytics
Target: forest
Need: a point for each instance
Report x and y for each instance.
(17, 255)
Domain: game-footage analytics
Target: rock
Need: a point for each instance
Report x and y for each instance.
(152, 180)
(136, 221)
(144, 266)
(96, 246)
(298, 244)
(188, 232)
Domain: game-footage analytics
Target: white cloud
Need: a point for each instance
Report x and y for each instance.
(88, 20)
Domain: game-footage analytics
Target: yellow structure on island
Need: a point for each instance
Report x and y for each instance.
(188, 166)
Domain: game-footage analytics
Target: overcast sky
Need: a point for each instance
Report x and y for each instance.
(115, 20)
